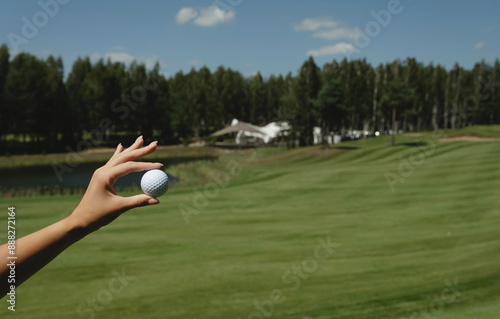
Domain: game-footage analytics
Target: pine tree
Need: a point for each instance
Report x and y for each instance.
(398, 98)
(376, 87)
(306, 90)
(329, 107)
(25, 95)
(4, 109)
(76, 103)
(180, 120)
(258, 97)
(55, 105)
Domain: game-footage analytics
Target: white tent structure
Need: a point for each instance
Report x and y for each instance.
(247, 131)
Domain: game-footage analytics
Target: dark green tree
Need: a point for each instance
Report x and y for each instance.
(157, 107)
(275, 90)
(137, 120)
(115, 83)
(4, 109)
(237, 99)
(55, 108)
(329, 107)
(258, 100)
(398, 99)
(306, 90)
(76, 101)
(180, 120)
(25, 97)
(93, 96)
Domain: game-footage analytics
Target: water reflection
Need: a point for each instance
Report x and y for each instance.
(45, 177)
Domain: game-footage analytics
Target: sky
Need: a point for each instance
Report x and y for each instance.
(272, 37)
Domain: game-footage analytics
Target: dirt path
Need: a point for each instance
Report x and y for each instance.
(468, 138)
(413, 134)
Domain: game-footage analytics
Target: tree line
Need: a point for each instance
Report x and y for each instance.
(42, 111)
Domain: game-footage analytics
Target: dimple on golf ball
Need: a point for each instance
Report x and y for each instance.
(154, 183)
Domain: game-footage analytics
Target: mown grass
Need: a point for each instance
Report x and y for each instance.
(479, 130)
(101, 155)
(398, 249)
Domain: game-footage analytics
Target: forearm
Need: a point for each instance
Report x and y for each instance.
(99, 206)
(36, 250)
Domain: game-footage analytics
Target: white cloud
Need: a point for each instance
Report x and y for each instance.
(214, 15)
(151, 60)
(119, 57)
(95, 57)
(194, 62)
(328, 29)
(185, 14)
(45, 53)
(313, 24)
(336, 34)
(207, 17)
(491, 28)
(479, 45)
(336, 49)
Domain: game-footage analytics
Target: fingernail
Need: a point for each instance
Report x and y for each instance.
(139, 137)
(155, 142)
(159, 163)
(153, 201)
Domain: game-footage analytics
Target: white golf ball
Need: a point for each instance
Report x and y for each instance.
(154, 183)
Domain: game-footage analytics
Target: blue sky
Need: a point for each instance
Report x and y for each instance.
(273, 37)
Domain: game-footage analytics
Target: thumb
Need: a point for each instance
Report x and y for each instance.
(139, 200)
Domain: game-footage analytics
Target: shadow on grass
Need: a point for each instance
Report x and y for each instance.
(232, 146)
(414, 144)
(346, 147)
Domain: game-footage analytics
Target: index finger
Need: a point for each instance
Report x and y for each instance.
(135, 154)
(130, 167)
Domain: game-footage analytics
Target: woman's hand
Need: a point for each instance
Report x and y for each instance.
(101, 204)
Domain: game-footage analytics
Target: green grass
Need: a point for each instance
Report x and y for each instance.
(480, 131)
(396, 250)
(101, 155)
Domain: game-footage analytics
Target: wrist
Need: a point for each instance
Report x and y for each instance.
(75, 228)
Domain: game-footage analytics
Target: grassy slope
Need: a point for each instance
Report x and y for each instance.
(396, 248)
(480, 130)
(101, 155)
